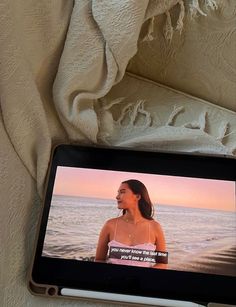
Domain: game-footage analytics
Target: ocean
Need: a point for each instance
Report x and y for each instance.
(74, 225)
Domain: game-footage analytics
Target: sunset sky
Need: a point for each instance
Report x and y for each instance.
(169, 190)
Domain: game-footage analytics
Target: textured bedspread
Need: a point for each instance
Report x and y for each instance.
(62, 80)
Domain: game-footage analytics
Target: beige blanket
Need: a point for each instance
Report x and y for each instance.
(58, 60)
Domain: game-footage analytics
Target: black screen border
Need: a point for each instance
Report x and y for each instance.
(170, 284)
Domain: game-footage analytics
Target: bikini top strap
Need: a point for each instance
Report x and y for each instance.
(115, 229)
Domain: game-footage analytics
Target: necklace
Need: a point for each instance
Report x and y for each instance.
(132, 235)
(132, 222)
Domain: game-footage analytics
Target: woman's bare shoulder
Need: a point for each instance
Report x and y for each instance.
(111, 222)
(156, 225)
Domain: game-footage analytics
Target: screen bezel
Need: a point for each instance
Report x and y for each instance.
(198, 287)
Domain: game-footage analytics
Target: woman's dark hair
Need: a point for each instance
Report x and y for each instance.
(145, 205)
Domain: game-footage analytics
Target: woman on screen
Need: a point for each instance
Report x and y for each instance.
(134, 238)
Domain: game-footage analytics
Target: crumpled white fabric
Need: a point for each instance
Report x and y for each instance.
(81, 63)
(85, 77)
(154, 116)
(96, 53)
